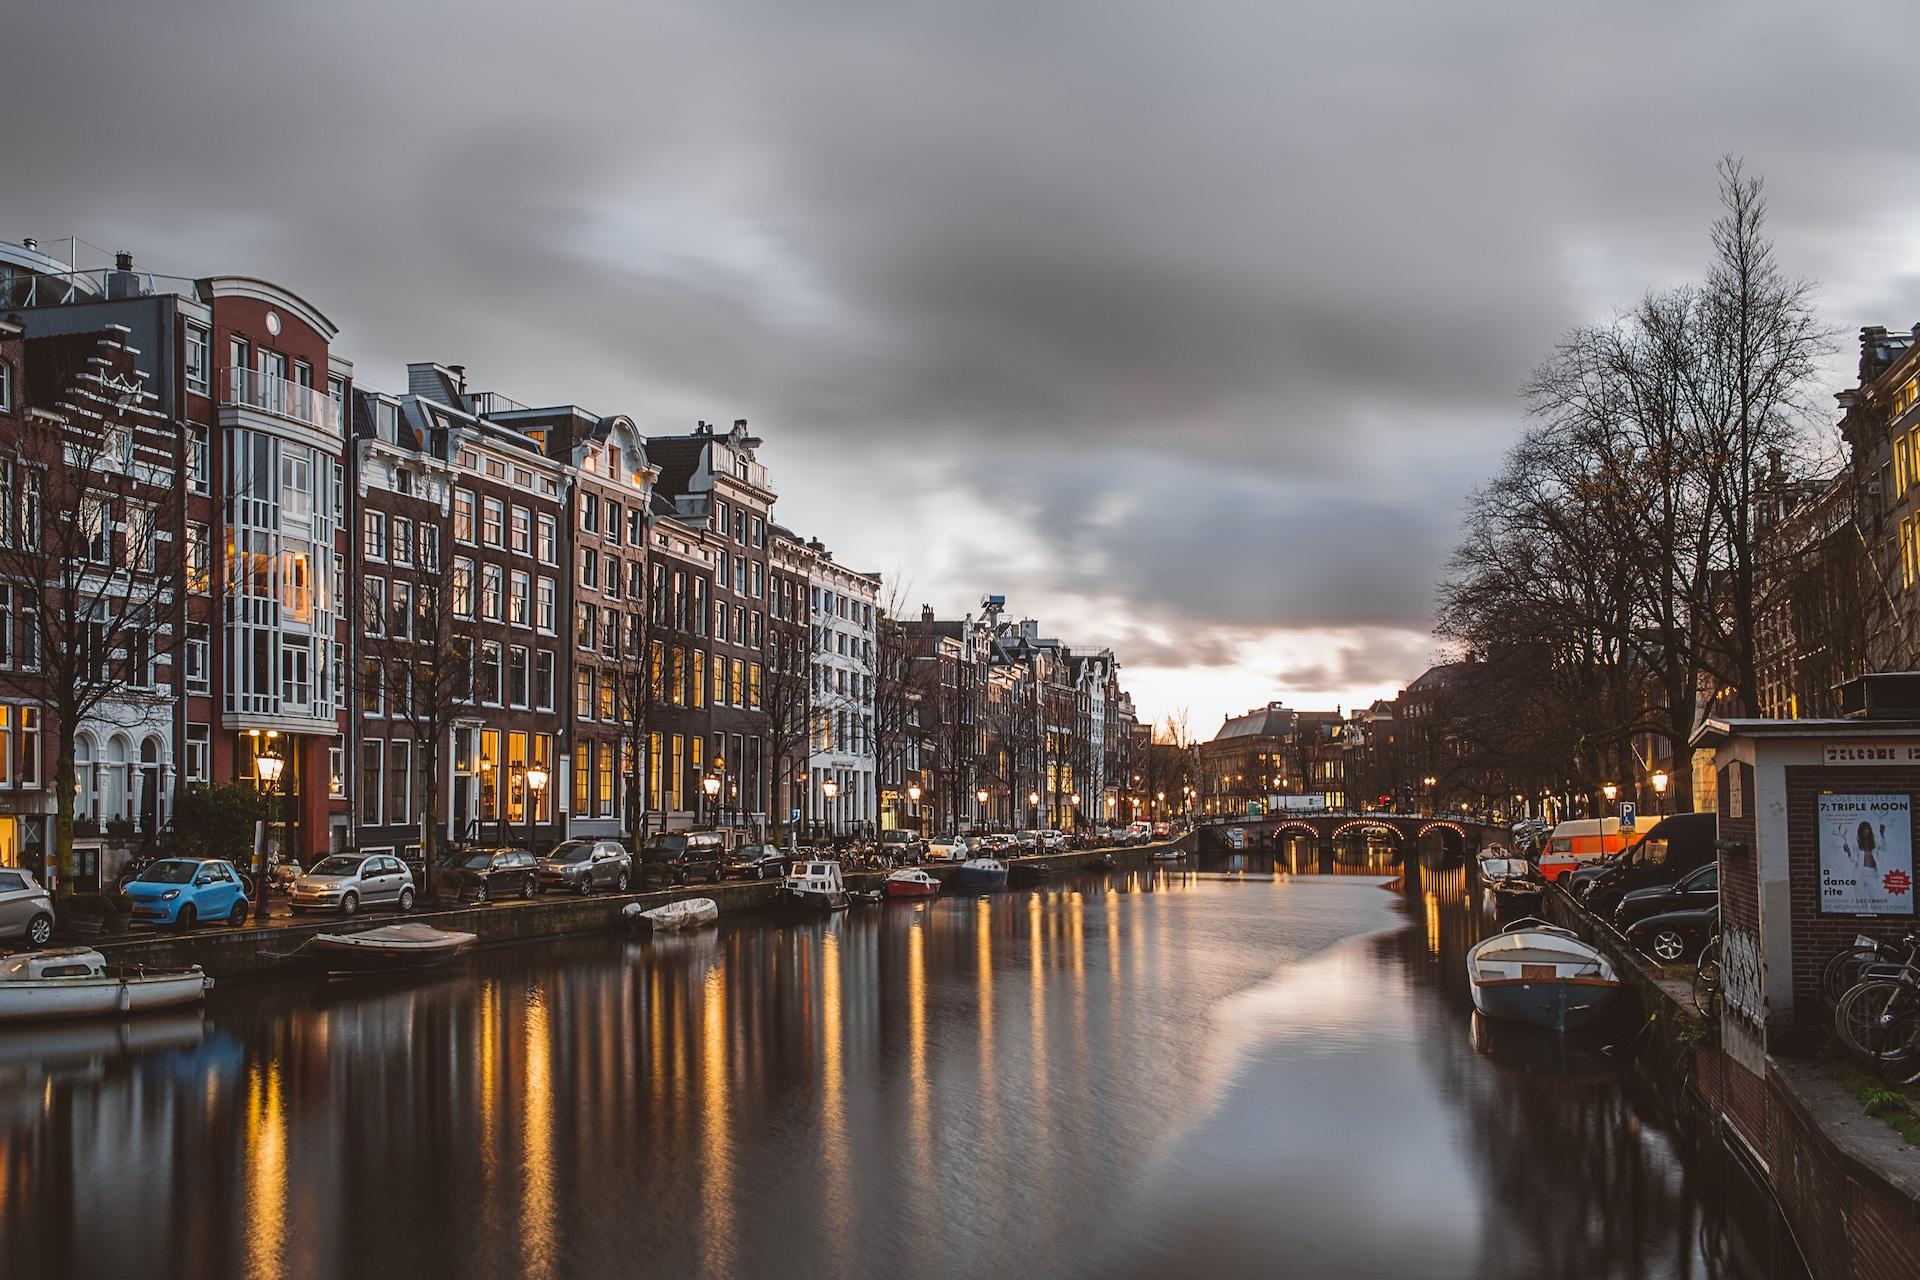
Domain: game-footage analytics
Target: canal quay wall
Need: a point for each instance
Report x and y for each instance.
(1847, 1185)
(266, 951)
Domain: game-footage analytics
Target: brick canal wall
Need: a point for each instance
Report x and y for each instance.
(266, 951)
(1847, 1185)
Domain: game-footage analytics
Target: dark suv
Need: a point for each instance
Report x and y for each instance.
(679, 857)
(1676, 845)
(487, 875)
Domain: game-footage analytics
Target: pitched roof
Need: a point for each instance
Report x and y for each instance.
(1270, 721)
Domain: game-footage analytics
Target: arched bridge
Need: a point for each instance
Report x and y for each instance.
(1431, 834)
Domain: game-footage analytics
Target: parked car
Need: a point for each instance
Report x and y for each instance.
(1671, 848)
(903, 845)
(184, 891)
(947, 849)
(487, 875)
(680, 857)
(1139, 833)
(346, 882)
(1673, 936)
(1162, 830)
(758, 862)
(1052, 840)
(582, 866)
(26, 908)
(1026, 842)
(1698, 888)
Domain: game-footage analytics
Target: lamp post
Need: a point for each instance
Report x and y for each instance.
(1660, 789)
(536, 784)
(711, 786)
(1073, 814)
(1033, 808)
(830, 789)
(980, 797)
(269, 766)
(1429, 782)
(1609, 790)
(720, 782)
(913, 795)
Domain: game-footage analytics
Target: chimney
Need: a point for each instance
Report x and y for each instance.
(926, 615)
(740, 426)
(459, 372)
(121, 282)
(30, 245)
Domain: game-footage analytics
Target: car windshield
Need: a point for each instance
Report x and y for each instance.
(169, 872)
(572, 851)
(663, 848)
(335, 866)
(474, 861)
(893, 837)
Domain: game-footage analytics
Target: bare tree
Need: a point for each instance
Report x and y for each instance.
(787, 696)
(88, 559)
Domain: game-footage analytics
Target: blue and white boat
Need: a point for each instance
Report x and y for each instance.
(1542, 975)
(982, 873)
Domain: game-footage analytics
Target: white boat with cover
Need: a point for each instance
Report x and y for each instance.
(76, 982)
(393, 946)
(1540, 974)
(687, 913)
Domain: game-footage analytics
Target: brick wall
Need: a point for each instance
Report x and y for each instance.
(1739, 870)
(1816, 937)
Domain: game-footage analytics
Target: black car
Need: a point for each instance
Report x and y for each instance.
(1674, 936)
(758, 862)
(487, 875)
(680, 857)
(1674, 846)
(1698, 888)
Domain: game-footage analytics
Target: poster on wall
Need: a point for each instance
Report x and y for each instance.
(1866, 855)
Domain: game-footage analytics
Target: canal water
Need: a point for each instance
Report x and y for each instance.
(1246, 1073)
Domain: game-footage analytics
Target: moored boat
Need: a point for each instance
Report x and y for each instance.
(814, 886)
(911, 882)
(1025, 872)
(1168, 853)
(76, 982)
(1542, 975)
(1496, 871)
(670, 917)
(982, 873)
(388, 948)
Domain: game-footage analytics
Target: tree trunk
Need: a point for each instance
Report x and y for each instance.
(60, 857)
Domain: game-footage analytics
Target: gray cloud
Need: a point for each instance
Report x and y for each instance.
(1259, 279)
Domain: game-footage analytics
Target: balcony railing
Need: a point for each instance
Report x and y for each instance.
(281, 397)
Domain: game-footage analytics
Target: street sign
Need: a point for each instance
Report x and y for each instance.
(1626, 815)
(793, 815)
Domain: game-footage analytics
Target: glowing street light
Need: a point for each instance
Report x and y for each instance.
(536, 784)
(1660, 781)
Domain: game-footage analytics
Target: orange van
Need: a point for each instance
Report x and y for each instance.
(1578, 841)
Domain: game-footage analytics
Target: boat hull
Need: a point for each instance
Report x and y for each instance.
(47, 999)
(981, 878)
(911, 889)
(813, 902)
(1565, 1004)
(1029, 873)
(342, 957)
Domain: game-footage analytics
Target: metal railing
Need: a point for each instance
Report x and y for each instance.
(281, 397)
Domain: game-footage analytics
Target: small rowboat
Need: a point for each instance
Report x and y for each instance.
(911, 882)
(1168, 853)
(75, 982)
(1024, 872)
(390, 947)
(1542, 975)
(687, 913)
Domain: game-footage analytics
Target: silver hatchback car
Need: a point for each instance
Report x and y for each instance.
(26, 909)
(346, 882)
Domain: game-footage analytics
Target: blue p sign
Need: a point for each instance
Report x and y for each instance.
(1626, 815)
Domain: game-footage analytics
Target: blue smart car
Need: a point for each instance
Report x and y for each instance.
(184, 891)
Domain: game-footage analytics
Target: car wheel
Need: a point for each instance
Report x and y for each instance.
(238, 916)
(40, 930)
(350, 903)
(480, 894)
(586, 886)
(406, 899)
(620, 885)
(1667, 945)
(528, 889)
(183, 919)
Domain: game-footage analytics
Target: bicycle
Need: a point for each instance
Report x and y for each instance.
(1845, 969)
(1879, 1020)
(1707, 993)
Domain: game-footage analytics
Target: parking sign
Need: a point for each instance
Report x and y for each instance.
(1626, 815)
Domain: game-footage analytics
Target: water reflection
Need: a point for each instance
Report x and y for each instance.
(1188, 1067)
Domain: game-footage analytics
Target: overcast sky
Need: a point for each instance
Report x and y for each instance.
(1186, 327)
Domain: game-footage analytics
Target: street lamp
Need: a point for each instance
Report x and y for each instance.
(1660, 789)
(1033, 808)
(1073, 815)
(830, 789)
(980, 797)
(711, 785)
(1609, 790)
(913, 796)
(269, 767)
(536, 784)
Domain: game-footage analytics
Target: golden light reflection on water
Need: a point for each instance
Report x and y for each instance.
(267, 1176)
(538, 1233)
(919, 1102)
(983, 966)
(716, 1147)
(489, 1087)
(1037, 1019)
(835, 1203)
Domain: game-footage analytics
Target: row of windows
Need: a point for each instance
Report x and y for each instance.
(400, 540)
(506, 525)
(739, 526)
(672, 767)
